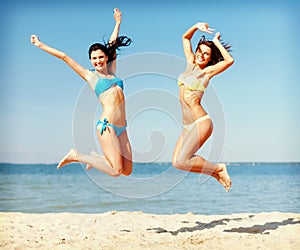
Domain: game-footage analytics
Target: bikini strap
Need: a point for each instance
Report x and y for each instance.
(104, 125)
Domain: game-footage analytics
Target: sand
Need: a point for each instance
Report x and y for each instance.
(138, 230)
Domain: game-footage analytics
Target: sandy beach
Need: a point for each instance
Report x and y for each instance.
(138, 230)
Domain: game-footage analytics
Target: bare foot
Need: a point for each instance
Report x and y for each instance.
(223, 177)
(93, 153)
(71, 156)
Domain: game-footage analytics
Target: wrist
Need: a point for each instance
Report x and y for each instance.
(215, 41)
(40, 45)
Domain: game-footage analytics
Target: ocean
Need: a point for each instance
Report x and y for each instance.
(152, 188)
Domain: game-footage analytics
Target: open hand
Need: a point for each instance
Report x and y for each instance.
(204, 28)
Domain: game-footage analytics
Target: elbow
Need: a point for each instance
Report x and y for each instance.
(230, 62)
(185, 36)
(64, 56)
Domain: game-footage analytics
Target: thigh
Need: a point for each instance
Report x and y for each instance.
(111, 147)
(126, 153)
(193, 140)
(178, 145)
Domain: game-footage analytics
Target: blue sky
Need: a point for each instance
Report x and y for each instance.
(259, 94)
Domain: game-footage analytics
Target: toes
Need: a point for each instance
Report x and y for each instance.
(59, 165)
(228, 185)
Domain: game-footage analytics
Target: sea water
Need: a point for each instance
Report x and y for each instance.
(152, 188)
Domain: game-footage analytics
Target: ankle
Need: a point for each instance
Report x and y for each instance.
(219, 167)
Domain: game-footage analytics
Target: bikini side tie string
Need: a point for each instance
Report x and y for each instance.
(104, 126)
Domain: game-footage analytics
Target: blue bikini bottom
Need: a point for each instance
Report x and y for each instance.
(102, 125)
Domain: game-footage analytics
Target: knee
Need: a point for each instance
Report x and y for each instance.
(178, 163)
(127, 168)
(127, 171)
(116, 172)
(124, 170)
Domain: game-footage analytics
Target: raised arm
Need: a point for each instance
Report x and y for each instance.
(222, 65)
(84, 73)
(187, 36)
(118, 18)
(114, 36)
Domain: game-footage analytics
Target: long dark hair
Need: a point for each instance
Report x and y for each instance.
(216, 55)
(109, 49)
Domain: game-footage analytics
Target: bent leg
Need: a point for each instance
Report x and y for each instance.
(97, 161)
(93, 153)
(188, 144)
(110, 163)
(126, 153)
(111, 148)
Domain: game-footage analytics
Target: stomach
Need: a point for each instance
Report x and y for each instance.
(190, 101)
(113, 104)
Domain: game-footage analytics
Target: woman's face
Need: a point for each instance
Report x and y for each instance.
(203, 55)
(99, 60)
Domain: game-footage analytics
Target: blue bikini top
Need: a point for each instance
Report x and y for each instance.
(103, 84)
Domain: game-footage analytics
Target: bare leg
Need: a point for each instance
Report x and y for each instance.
(71, 156)
(93, 153)
(126, 153)
(98, 162)
(114, 162)
(188, 145)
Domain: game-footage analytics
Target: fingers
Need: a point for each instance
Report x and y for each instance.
(218, 35)
(117, 11)
(35, 40)
(210, 31)
(117, 14)
(207, 29)
(204, 27)
(32, 38)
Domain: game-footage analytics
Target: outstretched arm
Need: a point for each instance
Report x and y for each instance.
(118, 17)
(222, 65)
(187, 36)
(84, 73)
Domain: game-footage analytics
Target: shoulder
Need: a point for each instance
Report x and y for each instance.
(117, 78)
(209, 72)
(92, 75)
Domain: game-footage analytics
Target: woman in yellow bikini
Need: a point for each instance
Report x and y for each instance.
(210, 59)
(111, 127)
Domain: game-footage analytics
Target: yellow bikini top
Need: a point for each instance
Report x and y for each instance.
(192, 82)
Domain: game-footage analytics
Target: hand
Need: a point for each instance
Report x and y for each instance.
(117, 15)
(204, 28)
(35, 40)
(217, 37)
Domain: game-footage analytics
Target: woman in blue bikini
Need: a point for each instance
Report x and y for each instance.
(111, 127)
(210, 59)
